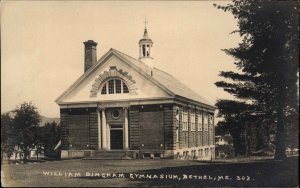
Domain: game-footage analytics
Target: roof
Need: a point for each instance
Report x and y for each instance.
(162, 79)
(146, 38)
(167, 80)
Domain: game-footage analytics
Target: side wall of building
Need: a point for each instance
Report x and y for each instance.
(196, 142)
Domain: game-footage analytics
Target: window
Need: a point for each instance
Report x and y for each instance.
(111, 86)
(125, 88)
(103, 91)
(201, 153)
(205, 122)
(193, 120)
(114, 86)
(211, 118)
(184, 120)
(115, 114)
(144, 50)
(206, 152)
(118, 86)
(199, 121)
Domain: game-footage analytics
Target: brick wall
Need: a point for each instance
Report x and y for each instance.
(65, 114)
(134, 128)
(64, 131)
(170, 130)
(195, 138)
(93, 136)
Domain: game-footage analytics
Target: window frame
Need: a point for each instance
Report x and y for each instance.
(200, 121)
(206, 122)
(114, 89)
(193, 120)
(184, 120)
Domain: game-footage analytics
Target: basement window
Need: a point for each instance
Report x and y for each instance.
(114, 86)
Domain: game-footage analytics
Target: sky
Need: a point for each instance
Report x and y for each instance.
(42, 51)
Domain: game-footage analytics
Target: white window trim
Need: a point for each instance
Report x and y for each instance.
(205, 126)
(193, 120)
(200, 116)
(185, 120)
(115, 91)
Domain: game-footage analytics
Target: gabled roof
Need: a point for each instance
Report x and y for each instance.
(168, 81)
(162, 79)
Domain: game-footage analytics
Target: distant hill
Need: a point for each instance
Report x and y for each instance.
(44, 119)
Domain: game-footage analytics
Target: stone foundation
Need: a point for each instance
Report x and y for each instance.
(203, 153)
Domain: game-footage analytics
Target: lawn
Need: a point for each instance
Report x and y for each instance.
(138, 173)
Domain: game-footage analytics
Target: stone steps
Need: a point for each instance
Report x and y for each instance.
(110, 155)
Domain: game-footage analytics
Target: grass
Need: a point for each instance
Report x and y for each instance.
(139, 173)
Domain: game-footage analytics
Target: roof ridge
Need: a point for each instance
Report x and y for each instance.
(141, 62)
(127, 55)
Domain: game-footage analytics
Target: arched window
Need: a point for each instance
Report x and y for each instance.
(114, 86)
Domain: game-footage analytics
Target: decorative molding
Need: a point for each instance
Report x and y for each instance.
(114, 72)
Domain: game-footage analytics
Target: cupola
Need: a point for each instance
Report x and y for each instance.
(145, 45)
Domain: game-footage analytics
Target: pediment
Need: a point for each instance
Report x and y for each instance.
(87, 87)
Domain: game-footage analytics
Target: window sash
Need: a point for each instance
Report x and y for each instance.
(114, 86)
(184, 120)
(193, 120)
(118, 84)
(111, 86)
(199, 122)
(104, 89)
(125, 88)
(193, 127)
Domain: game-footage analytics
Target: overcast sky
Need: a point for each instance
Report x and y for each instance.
(42, 44)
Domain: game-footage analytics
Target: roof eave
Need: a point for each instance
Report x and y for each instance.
(188, 100)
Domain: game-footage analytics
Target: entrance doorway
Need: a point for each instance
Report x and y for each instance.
(116, 139)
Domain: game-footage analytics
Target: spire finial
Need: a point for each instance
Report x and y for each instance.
(146, 22)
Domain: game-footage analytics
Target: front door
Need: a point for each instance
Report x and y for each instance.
(116, 139)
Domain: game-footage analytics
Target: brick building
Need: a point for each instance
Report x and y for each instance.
(122, 106)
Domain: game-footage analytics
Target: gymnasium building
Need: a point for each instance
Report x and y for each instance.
(125, 108)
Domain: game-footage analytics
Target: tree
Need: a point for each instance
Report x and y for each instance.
(7, 136)
(26, 122)
(268, 60)
(49, 136)
(235, 122)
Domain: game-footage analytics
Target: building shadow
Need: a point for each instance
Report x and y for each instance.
(263, 173)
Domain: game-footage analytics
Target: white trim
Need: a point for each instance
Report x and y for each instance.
(100, 62)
